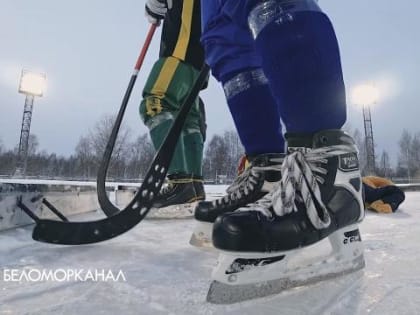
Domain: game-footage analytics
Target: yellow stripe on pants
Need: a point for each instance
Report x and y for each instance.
(181, 47)
(164, 79)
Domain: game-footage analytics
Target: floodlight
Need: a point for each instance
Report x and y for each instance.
(32, 83)
(365, 95)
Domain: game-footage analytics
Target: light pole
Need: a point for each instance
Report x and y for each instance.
(366, 96)
(31, 84)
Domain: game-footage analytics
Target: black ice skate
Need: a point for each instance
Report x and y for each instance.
(319, 195)
(200, 193)
(252, 184)
(178, 198)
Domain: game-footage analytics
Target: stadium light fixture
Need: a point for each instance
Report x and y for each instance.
(366, 95)
(31, 84)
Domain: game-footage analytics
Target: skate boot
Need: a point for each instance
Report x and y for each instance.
(319, 195)
(252, 184)
(178, 198)
(200, 193)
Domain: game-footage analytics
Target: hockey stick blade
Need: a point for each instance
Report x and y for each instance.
(77, 233)
(221, 293)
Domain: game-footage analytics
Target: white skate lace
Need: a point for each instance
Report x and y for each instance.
(244, 184)
(301, 172)
(238, 181)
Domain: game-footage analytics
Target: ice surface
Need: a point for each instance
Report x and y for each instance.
(165, 275)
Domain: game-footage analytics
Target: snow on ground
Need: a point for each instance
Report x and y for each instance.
(165, 275)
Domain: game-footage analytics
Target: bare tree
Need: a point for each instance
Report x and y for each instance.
(7, 162)
(101, 133)
(85, 156)
(34, 162)
(215, 161)
(140, 156)
(384, 167)
(415, 155)
(99, 137)
(234, 152)
(405, 159)
(33, 144)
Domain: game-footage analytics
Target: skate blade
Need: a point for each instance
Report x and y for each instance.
(181, 211)
(202, 236)
(221, 293)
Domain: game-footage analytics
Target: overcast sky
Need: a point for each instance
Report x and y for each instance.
(88, 48)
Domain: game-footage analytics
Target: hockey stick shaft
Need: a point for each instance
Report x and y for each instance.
(106, 205)
(146, 45)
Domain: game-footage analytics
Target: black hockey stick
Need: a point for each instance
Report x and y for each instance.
(107, 207)
(77, 233)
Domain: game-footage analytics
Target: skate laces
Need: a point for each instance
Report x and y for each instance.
(244, 184)
(241, 178)
(302, 172)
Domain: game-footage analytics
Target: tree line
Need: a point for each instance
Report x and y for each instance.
(133, 155)
(407, 167)
(130, 161)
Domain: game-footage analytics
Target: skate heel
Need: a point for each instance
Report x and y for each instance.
(347, 243)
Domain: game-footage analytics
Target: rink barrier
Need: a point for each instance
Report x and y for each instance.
(44, 197)
(409, 187)
(71, 197)
(23, 201)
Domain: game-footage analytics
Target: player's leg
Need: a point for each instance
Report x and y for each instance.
(320, 190)
(231, 55)
(166, 88)
(172, 76)
(320, 193)
(194, 135)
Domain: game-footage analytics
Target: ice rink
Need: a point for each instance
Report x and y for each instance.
(165, 275)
